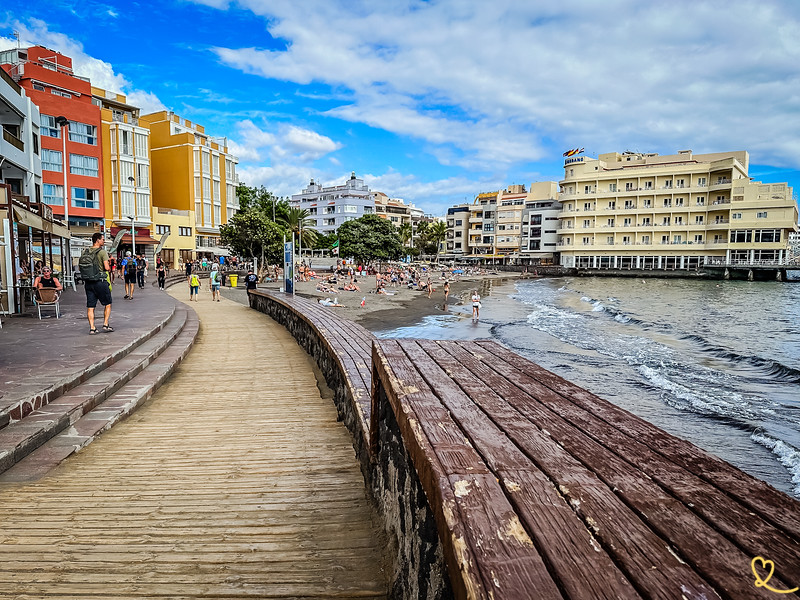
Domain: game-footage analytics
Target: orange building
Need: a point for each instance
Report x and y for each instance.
(47, 78)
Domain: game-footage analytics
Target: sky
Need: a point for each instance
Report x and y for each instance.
(437, 101)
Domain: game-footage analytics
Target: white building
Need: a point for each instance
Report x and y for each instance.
(332, 206)
(20, 158)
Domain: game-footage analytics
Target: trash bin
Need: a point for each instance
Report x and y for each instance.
(234, 278)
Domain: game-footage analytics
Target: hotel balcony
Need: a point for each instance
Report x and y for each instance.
(721, 224)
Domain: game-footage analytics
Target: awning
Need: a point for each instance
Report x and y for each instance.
(140, 239)
(26, 217)
(214, 250)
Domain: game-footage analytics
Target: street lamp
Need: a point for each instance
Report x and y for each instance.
(133, 218)
(63, 122)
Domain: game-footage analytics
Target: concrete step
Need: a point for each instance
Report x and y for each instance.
(119, 388)
(34, 392)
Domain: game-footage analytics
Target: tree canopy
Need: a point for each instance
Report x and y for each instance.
(370, 238)
(252, 234)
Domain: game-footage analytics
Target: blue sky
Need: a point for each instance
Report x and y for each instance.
(436, 101)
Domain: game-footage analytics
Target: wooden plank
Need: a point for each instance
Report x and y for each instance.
(713, 555)
(642, 555)
(582, 568)
(771, 504)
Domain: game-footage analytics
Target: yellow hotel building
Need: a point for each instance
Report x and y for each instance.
(193, 185)
(681, 211)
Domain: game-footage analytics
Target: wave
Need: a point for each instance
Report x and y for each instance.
(787, 455)
(776, 370)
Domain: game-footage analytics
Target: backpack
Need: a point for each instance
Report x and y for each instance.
(194, 281)
(215, 277)
(87, 265)
(130, 267)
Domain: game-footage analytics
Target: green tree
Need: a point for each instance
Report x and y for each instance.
(405, 231)
(370, 238)
(252, 234)
(326, 241)
(437, 233)
(297, 222)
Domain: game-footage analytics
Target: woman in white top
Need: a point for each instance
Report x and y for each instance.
(476, 305)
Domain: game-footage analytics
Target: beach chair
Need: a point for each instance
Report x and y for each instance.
(48, 297)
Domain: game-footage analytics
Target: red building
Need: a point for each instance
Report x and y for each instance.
(48, 80)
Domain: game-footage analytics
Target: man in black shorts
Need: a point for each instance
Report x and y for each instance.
(98, 289)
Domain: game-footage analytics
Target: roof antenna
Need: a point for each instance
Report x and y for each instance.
(16, 35)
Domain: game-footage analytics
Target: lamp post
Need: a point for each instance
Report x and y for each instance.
(133, 218)
(63, 122)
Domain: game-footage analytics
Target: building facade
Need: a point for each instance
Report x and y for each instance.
(72, 177)
(21, 164)
(193, 183)
(332, 206)
(126, 172)
(682, 211)
(540, 222)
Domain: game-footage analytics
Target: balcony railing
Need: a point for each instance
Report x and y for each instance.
(13, 140)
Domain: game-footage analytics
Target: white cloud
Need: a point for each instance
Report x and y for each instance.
(284, 143)
(101, 73)
(500, 81)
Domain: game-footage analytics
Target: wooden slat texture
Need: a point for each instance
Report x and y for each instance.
(614, 507)
(235, 480)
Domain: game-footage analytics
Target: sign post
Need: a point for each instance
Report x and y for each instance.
(288, 267)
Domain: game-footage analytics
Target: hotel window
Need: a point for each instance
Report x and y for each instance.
(648, 185)
(627, 222)
(701, 201)
(141, 145)
(586, 241)
(701, 182)
(196, 159)
(626, 240)
(611, 222)
(162, 229)
(60, 93)
(143, 205)
(53, 194)
(667, 202)
(612, 187)
(587, 223)
(768, 236)
(113, 136)
(127, 204)
(612, 205)
(83, 165)
(610, 240)
(647, 203)
(185, 231)
(678, 220)
(736, 215)
(49, 127)
(125, 142)
(698, 220)
(536, 219)
(678, 201)
(113, 173)
(587, 189)
(367, 210)
(629, 187)
(85, 198)
(206, 188)
(645, 239)
(125, 173)
(677, 239)
(668, 184)
(629, 204)
(698, 239)
(51, 160)
(761, 215)
(206, 162)
(216, 191)
(646, 221)
(350, 208)
(217, 215)
(665, 239)
(679, 183)
(197, 190)
(142, 178)
(741, 236)
(82, 133)
(587, 206)
(666, 221)
(329, 222)
(215, 164)
(721, 200)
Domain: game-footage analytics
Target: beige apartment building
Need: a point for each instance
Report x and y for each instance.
(681, 211)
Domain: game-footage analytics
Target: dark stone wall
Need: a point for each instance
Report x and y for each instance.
(419, 570)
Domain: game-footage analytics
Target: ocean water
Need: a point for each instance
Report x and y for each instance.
(716, 363)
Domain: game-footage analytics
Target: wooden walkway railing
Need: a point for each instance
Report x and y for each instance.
(519, 484)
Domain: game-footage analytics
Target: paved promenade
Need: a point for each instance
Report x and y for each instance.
(234, 480)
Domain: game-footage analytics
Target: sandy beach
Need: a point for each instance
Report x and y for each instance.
(402, 306)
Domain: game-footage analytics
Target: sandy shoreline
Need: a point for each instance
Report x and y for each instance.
(405, 307)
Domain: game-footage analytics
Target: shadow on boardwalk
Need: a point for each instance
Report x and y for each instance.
(234, 480)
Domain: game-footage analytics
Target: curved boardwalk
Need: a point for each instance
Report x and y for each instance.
(235, 480)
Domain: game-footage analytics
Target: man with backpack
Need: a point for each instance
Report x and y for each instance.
(129, 273)
(94, 267)
(214, 282)
(141, 269)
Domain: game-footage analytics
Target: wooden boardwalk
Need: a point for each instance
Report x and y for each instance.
(235, 480)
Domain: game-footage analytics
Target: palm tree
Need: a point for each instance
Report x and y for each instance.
(405, 232)
(297, 222)
(438, 233)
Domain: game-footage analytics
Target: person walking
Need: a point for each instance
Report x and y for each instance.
(214, 282)
(141, 269)
(446, 290)
(476, 305)
(161, 272)
(94, 267)
(188, 266)
(194, 287)
(128, 265)
(250, 280)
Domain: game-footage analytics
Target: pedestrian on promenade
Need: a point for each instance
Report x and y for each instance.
(128, 265)
(188, 266)
(194, 287)
(214, 282)
(94, 268)
(141, 270)
(476, 305)
(250, 280)
(47, 280)
(161, 272)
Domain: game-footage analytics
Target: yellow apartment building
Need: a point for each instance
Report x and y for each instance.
(508, 227)
(194, 187)
(126, 172)
(681, 211)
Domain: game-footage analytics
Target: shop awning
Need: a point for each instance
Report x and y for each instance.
(216, 250)
(26, 217)
(140, 239)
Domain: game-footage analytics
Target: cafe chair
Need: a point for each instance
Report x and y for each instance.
(48, 297)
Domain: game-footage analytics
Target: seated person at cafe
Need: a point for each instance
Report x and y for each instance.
(47, 280)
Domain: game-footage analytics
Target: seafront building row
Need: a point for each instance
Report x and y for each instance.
(634, 211)
(76, 159)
